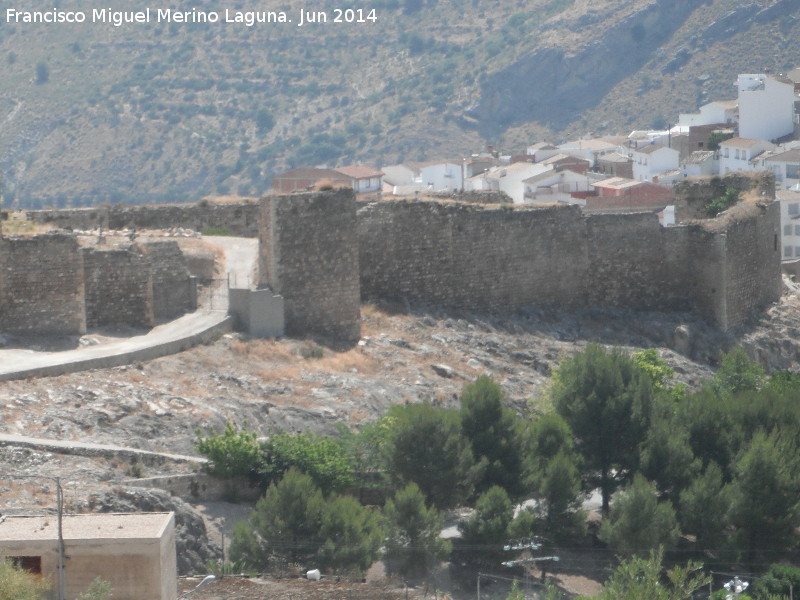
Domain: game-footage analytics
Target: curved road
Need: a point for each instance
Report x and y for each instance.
(182, 333)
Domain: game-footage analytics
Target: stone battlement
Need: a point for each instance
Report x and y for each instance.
(325, 253)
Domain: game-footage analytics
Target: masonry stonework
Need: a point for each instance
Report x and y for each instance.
(478, 258)
(692, 195)
(309, 255)
(119, 287)
(239, 218)
(174, 289)
(41, 285)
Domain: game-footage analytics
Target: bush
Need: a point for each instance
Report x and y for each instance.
(231, 453)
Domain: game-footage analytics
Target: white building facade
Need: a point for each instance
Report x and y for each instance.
(766, 106)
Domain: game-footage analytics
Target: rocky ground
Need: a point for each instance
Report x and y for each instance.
(406, 354)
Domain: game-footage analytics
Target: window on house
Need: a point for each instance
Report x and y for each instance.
(793, 171)
(737, 153)
(787, 230)
(797, 250)
(794, 208)
(797, 229)
(787, 252)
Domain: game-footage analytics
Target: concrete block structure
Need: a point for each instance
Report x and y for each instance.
(134, 552)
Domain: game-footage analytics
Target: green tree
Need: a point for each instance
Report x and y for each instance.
(493, 434)
(231, 452)
(766, 495)
(779, 581)
(656, 367)
(323, 458)
(606, 400)
(703, 508)
(667, 457)
(350, 534)
(429, 449)
(737, 373)
(16, 584)
(487, 529)
(285, 524)
(558, 491)
(413, 542)
(637, 578)
(638, 522)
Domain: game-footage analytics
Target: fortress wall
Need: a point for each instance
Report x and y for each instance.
(119, 288)
(240, 218)
(174, 289)
(42, 285)
(692, 195)
(310, 257)
(634, 263)
(471, 257)
(753, 263)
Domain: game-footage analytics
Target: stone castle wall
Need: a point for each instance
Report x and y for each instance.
(692, 195)
(41, 285)
(173, 287)
(239, 218)
(119, 287)
(478, 258)
(323, 253)
(309, 255)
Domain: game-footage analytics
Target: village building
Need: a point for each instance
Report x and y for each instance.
(134, 552)
(651, 160)
(739, 154)
(766, 106)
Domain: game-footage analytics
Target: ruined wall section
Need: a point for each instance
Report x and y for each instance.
(174, 289)
(239, 218)
(310, 257)
(119, 288)
(753, 260)
(692, 195)
(42, 289)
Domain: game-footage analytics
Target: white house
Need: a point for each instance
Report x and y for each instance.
(766, 106)
(700, 163)
(434, 175)
(786, 166)
(589, 150)
(541, 151)
(713, 113)
(649, 161)
(509, 179)
(790, 222)
(362, 179)
(739, 154)
(555, 186)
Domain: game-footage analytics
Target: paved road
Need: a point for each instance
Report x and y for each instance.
(169, 338)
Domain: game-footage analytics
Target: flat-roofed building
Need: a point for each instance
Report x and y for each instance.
(134, 552)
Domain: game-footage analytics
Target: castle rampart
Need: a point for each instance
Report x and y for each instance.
(495, 258)
(323, 255)
(41, 285)
(309, 255)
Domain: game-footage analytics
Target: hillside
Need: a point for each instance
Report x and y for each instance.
(96, 112)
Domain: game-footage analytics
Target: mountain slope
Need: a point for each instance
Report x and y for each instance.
(173, 111)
